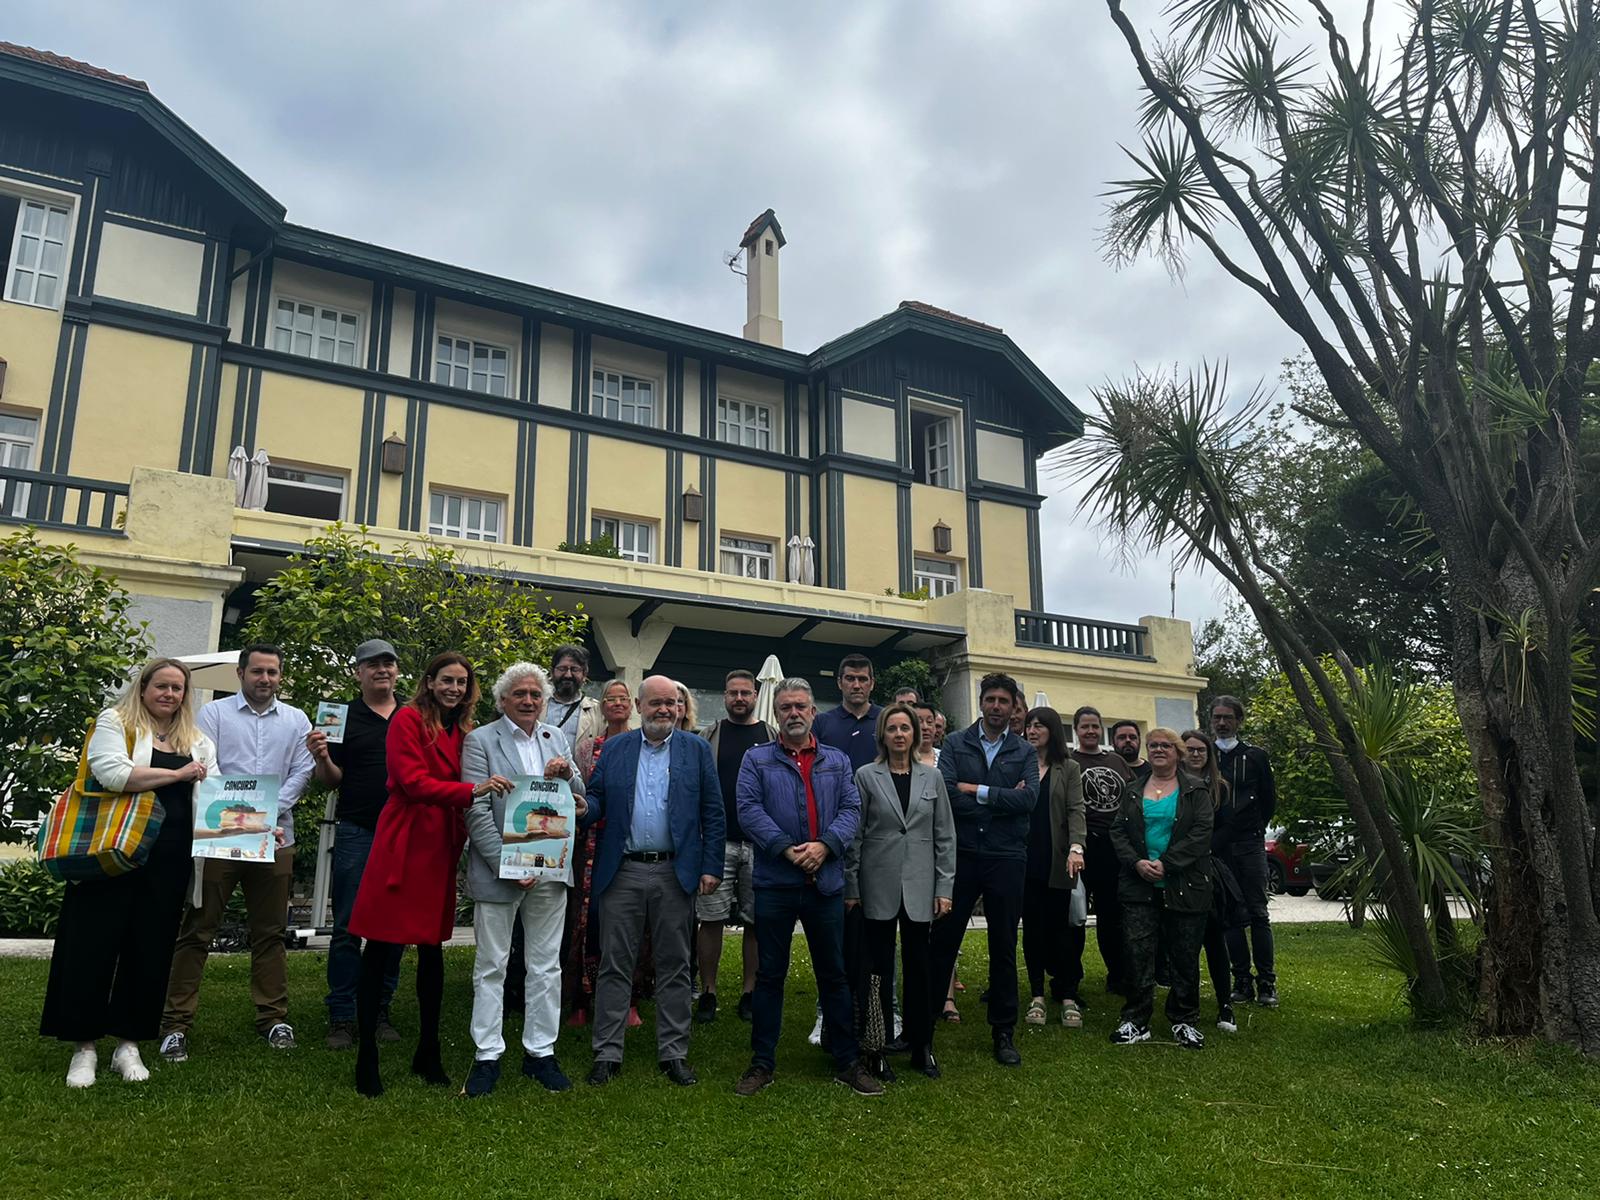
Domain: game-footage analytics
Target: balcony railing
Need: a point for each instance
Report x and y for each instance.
(61, 501)
(1080, 635)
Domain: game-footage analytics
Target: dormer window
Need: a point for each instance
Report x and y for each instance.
(935, 445)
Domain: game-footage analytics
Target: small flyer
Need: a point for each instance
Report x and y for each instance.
(234, 817)
(330, 720)
(536, 836)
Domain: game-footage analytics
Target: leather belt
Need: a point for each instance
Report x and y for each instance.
(648, 856)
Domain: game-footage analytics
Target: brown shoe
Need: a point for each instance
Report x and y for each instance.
(859, 1079)
(753, 1080)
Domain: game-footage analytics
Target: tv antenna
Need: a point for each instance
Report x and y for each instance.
(731, 260)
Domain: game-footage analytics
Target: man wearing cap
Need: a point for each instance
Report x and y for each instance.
(359, 768)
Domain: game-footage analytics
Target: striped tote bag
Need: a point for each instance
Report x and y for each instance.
(95, 833)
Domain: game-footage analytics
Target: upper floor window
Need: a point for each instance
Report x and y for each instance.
(634, 540)
(938, 575)
(744, 424)
(476, 366)
(623, 398)
(935, 442)
(455, 514)
(751, 558)
(18, 436)
(315, 331)
(38, 250)
(305, 492)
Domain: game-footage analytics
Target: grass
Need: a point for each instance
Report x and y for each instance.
(1334, 1095)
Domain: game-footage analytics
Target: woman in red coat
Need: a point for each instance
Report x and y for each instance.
(408, 890)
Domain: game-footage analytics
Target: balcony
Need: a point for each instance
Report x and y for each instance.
(1080, 635)
(67, 502)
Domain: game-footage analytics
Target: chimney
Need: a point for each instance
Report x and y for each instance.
(762, 243)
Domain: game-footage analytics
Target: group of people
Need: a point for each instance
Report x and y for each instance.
(864, 825)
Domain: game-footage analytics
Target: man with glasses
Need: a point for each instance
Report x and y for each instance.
(730, 739)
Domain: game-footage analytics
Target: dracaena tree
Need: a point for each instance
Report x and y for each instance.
(1424, 216)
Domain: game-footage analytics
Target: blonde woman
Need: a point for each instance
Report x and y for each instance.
(113, 948)
(688, 716)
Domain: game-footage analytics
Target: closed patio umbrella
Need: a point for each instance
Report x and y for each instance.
(808, 561)
(255, 488)
(770, 675)
(238, 468)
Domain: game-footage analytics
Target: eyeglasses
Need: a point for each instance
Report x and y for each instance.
(1159, 746)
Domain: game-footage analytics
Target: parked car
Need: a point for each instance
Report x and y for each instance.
(1288, 865)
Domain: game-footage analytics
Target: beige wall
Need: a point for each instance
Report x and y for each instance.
(930, 505)
(1005, 549)
(402, 318)
(130, 403)
(626, 479)
(867, 429)
(474, 453)
(28, 340)
(750, 503)
(555, 366)
(309, 423)
(149, 268)
(1001, 458)
(551, 459)
(872, 542)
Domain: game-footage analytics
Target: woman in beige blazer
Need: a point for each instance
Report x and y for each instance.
(901, 870)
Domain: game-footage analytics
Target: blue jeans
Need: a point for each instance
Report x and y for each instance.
(822, 918)
(351, 845)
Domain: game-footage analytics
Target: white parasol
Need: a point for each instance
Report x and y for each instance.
(770, 675)
(808, 561)
(255, 488)
(238, 468)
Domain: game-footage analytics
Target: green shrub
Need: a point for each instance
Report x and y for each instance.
(30, 899)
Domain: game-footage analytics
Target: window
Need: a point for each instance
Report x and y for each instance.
(939, 576)
(315, 331)
(38, 250)
(933, 447)
(452, 514)
(18, 436)
(744, 424)
(305, 492)
(751, 558)
(476, 366)
(623, 398)
(634, 540)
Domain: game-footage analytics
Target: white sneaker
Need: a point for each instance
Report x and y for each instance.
(1188, 1037)
(81, 1070)
(125, 1061)
(815, 1037)
(281, 1036)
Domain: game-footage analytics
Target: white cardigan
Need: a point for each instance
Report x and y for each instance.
(110, 763)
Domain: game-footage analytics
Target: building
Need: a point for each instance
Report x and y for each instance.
(161, 321)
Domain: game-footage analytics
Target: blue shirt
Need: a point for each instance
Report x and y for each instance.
(1159, 816)
(990, 749)
(857, 737)
(650, 830)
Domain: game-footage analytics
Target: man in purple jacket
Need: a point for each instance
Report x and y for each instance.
(799, 807)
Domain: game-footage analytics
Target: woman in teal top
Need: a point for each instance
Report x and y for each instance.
(1162, 836)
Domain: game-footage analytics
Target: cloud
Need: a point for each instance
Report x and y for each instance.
(953, 153)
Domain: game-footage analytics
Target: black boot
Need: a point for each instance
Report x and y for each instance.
(922, 1060)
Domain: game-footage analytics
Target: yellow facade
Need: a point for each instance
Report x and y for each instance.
(1005, 548)
(872, 542)
(130, 405)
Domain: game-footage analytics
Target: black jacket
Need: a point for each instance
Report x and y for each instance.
(1188, 856)
(998, 827)
(1248, 771)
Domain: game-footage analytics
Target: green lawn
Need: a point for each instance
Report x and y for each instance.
(1334, 1095)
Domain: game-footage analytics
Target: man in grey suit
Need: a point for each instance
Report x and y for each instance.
(662, 845)
(901, 870)
(517, 744)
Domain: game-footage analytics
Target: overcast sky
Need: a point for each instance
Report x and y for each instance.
(949, 152)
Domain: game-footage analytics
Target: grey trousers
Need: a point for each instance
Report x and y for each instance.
(640, 893)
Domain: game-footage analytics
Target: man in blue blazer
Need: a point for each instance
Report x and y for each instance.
(662, 845)
(992, 776)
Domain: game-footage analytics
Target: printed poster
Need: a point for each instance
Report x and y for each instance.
(330, 720)
(537, 833)
(234, 817)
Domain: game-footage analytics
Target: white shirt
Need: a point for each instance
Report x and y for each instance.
(272, 742)
(536, 748)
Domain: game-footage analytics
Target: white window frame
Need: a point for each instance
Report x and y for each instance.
(18, 454)
(45, 199)
(473, 346)
(319, 313)
(941, 446)
(634, 539)
(745, 423)
(749, 557)
(342, 491)
(941, 576)
(601, 398)
(439, 500)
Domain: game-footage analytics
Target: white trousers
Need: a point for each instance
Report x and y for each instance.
(543, 908)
